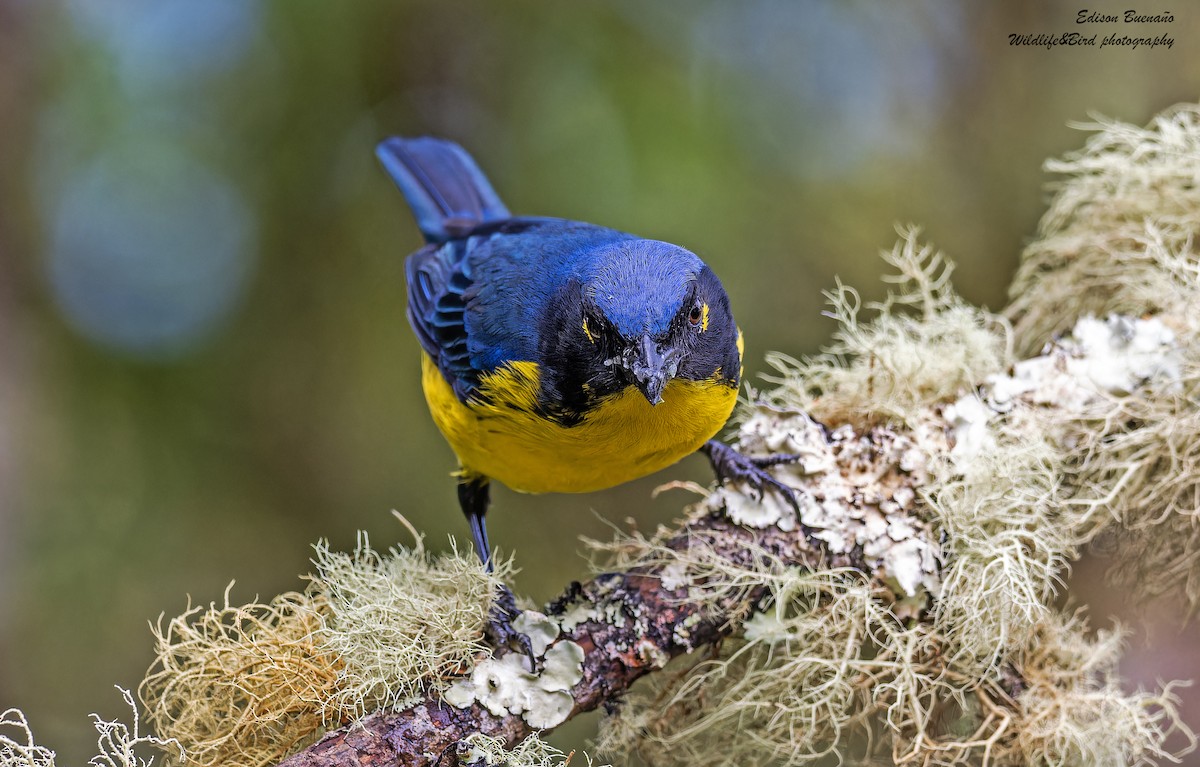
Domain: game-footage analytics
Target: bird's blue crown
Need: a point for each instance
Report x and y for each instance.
(641, 284)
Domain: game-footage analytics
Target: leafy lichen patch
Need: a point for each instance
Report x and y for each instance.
(507, 684)
(1095, 361)
(854, 491)
(540, 629)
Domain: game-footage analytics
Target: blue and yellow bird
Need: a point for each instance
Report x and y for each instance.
(560, 356)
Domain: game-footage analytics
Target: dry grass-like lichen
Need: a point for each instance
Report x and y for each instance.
(400, 621)
(924, 345)
(486, 751)
(17, 748)
(248, 684)
(117, 743)
(241, 684)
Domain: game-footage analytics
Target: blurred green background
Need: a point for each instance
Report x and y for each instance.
(205, 361)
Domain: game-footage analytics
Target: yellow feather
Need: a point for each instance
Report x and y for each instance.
(624, 437)
(741, 350)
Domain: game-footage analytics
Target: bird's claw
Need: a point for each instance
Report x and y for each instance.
(730, 465)
(501, 630)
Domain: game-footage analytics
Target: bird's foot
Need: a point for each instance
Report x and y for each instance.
(501, 630)
(730, 465)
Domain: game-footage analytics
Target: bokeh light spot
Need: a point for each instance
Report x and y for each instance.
(149, 252)
(161, 41)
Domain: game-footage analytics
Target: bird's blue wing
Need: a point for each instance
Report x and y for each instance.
(436, 283)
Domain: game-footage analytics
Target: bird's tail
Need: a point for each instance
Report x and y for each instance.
(444, 187)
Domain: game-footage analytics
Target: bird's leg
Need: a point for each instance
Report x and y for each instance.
(473, 497)
(728, 464)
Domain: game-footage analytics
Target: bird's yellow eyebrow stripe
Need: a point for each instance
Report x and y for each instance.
(703, 317)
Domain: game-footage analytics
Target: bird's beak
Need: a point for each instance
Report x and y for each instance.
(649, 366)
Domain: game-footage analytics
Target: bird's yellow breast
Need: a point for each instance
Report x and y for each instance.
(499, 434)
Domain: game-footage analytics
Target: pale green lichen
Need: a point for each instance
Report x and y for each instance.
(1027, 461)
(118, 744)
(1007, 543)
(1008, 499)
(827, 665)
(1074, 711)
(1120, 237)
(825, 661)
(400, 621)
(1127, 205)
(17, 747)
(924, 345)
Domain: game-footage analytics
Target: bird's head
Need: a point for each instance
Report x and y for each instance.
(650, 312)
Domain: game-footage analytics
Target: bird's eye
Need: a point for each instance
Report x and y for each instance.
(695, 315)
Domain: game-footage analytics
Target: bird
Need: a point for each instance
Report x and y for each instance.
(560, 356)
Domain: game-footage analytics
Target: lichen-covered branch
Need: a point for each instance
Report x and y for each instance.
(618, 627)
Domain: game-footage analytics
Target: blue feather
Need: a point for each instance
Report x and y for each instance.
(444, 187)
(641, 285)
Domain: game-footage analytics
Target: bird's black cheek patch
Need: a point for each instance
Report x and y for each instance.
(713, 353)
(574, 376)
